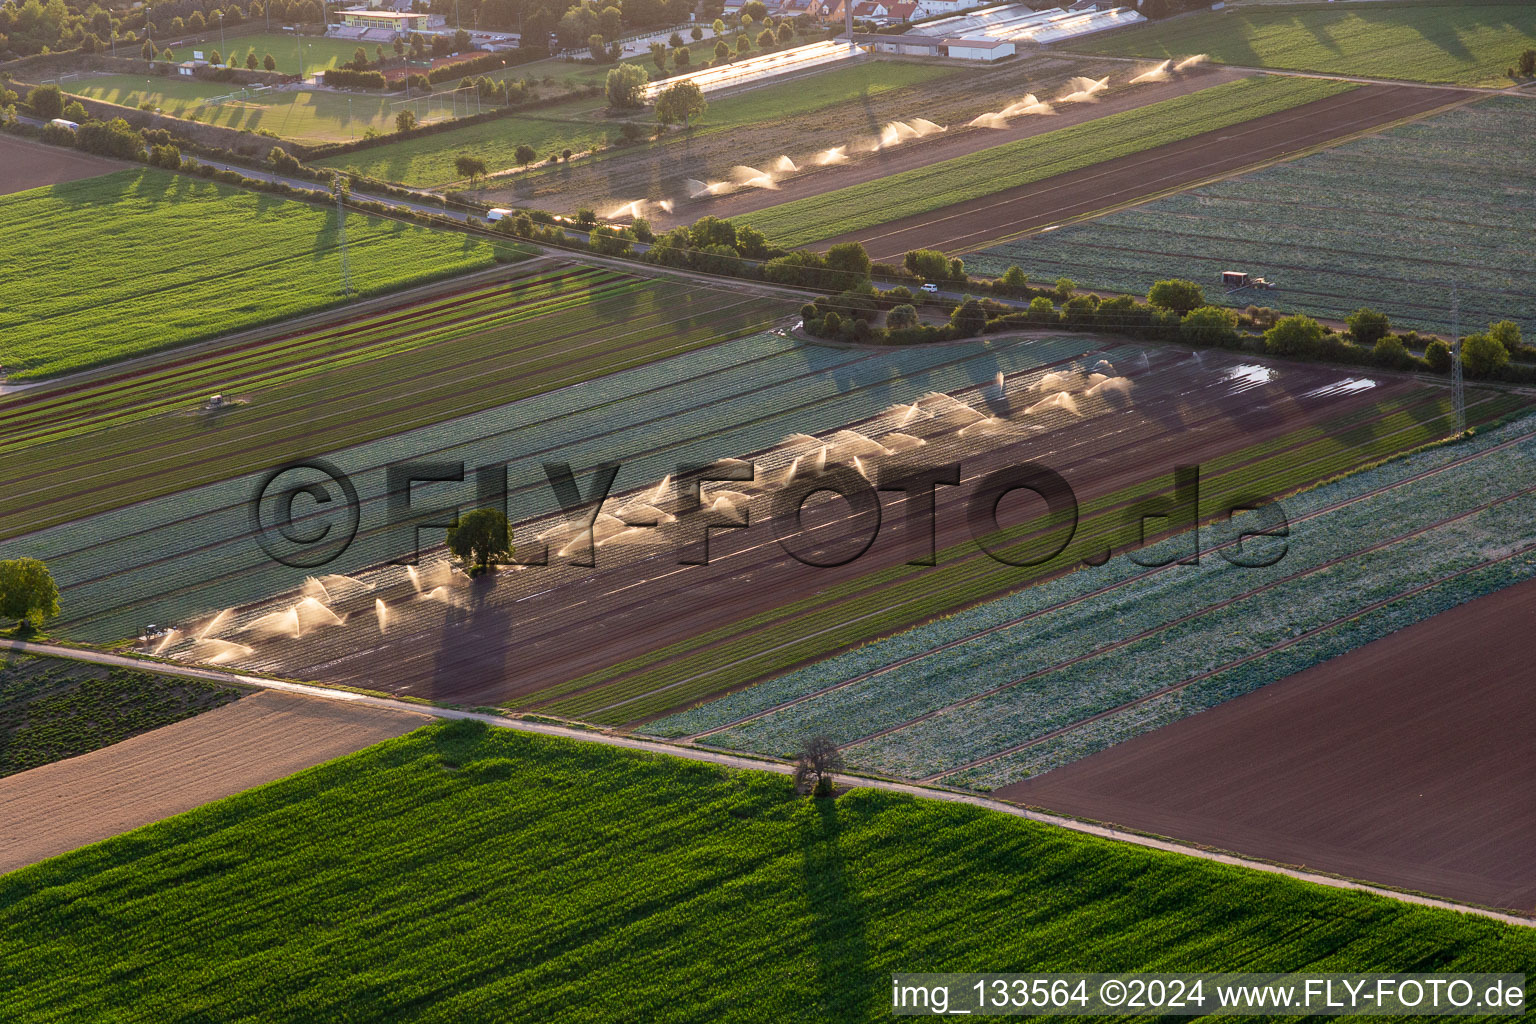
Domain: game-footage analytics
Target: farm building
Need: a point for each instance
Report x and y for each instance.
(976, 49)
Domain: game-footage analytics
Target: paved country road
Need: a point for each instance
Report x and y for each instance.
(732, 761)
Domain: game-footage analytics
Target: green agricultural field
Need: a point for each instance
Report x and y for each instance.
(144, 259)
(1471, 44)
(580, 126)
(428, 159)
(305, 116)
(1026, 160)
(843, 84)
(120, 440)
(461, 873)
(1394, 221)
(52, 709)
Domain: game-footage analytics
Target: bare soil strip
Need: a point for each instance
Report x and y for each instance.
(1406, 762)
(981, 222)
(26, 164)
(62, 806)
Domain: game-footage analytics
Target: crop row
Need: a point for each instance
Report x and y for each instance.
(1470, 44)
(478, 365)
(1098, 735)
(51, 710)
(1191, 648)
(191, 551)
(1054, 635)
(872, 604)
(1389, 221)
(141, 260)
(1033, 159)
(1308, 454)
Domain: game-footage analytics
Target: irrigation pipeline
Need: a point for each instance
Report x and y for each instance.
(1139, 578)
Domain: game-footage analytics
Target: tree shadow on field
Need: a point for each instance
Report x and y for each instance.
(837, 919)
(474, 647)
(1445, 33)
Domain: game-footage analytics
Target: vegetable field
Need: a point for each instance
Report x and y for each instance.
(846, 106)
(140, 260)
(1394, 221)
(1056, 672)
(580, 125)
(1033, 159)
(428, 159)
(502, 877)
(884, 600)
(99, 446)
(189, 552)
(1467, 44)
(52, 709)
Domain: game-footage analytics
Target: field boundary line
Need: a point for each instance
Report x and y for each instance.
(747, 763)
(1264, 164)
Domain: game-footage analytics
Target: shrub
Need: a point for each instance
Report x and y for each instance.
(1042, 311)
(1298, 336)
(47, 102)
(1176, 294)
(1367, 326)
(901, 316)
(1210, 325)
(1390, 352)
(1506, 333)
(1438, 355)
(1482, 355)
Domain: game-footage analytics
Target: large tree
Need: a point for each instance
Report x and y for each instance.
(471, 167)
(1177, 295)
(625, 87)
(680, 103)
(482, 537)
(1367, 326)
(1482, 355)
(27, 592)
(819, 757)
(1299, 336)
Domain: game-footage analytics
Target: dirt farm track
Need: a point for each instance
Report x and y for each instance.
(25, 164)
(1406, 762)
(62, 806)
(977, 223)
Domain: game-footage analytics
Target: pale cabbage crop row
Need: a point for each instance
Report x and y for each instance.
(1390, 221)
